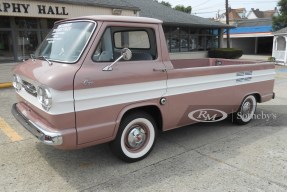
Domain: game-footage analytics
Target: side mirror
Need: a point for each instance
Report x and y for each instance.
(126, 54)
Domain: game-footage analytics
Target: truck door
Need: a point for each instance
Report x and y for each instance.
(101, 95)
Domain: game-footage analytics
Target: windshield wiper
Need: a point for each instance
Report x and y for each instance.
(46, 59)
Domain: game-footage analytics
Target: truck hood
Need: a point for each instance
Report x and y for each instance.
(58, 76)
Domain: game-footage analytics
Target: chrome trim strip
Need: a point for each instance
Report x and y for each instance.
(46, 137)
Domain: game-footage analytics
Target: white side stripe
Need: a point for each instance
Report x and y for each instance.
(113, 95)
(93, 98)
(201, 83)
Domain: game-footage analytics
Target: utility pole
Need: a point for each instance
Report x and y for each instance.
(227, 22)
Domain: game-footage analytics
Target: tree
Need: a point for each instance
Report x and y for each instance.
(166, 3)
(177, 7)
(183, 8)
(280, 21)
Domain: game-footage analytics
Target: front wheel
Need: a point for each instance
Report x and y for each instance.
(136, 137)
(246, 111)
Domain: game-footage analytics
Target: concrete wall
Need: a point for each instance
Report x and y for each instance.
(189, 55)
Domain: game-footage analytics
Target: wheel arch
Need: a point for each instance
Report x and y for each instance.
(150, 108)
(255, 94)
(257, 97)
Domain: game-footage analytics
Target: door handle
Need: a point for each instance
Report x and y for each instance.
(161, 70)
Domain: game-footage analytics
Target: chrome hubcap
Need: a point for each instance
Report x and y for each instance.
(136, 137)
(246, 107)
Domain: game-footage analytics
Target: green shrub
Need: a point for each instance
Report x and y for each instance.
(226, 53)
(271, 59)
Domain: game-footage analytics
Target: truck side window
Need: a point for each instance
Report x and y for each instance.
(141, 41)
(104, 50)
(131, 39)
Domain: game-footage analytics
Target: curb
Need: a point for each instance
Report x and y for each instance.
(5, 85)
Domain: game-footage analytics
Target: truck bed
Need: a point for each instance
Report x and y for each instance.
(194, 63)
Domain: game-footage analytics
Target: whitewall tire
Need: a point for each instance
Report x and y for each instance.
(246, 111)
(135, 138)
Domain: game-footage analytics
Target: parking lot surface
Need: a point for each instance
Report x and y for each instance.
(217, 156)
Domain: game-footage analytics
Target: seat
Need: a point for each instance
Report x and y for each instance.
(139, 56)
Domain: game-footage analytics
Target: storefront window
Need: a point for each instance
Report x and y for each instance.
(193, 42)
(27, 44)
(174, 43)
(6, 46)
(167, 34)
(26, 23)
(20, 36)
(204, 31)
(209, 42)
(201, 43)
(5, 22)
(215, 32)
(191, 39)
(44, 34)
(184, 33)
(51, 22)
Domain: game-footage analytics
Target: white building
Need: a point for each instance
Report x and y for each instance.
(256, 13)
(279, 46)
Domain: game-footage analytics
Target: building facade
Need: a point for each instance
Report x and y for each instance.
(24, 24)
(253, 36)
(253, 32)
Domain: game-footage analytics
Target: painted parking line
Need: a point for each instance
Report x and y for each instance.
(9, 132)
(5, 85)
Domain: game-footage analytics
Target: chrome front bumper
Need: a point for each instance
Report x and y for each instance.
(47, 137)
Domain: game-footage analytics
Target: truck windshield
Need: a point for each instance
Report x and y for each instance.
(66, 41)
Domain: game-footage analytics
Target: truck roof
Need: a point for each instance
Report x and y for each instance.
(129, 19)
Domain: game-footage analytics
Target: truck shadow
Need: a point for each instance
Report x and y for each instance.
(182, 151)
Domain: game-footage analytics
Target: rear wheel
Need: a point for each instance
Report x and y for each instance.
(136, 137)
(246, 111)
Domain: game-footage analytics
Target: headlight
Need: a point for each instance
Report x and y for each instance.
(17, 82)
(44, 97)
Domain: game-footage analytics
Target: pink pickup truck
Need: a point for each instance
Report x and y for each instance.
(101, 79)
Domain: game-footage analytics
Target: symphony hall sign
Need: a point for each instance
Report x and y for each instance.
(24, 8)
(50, 9)
(27, 8)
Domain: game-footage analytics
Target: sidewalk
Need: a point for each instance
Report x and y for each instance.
(255, 57)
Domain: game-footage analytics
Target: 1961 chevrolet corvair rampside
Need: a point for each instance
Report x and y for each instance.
(104, 79)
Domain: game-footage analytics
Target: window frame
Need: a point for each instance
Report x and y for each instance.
(152, 30)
